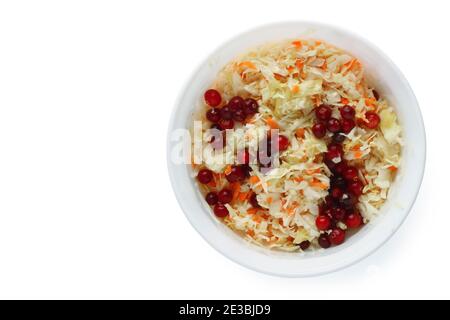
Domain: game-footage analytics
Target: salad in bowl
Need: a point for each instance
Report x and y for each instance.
(296, 149)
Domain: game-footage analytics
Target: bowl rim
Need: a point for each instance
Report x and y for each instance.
(415, 106)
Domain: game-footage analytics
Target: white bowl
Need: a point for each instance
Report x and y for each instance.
(388, 80)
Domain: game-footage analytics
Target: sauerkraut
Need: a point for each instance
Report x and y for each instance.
(277, 206)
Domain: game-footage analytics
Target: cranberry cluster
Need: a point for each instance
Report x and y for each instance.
(237, 173)
(344, 125)
(237, 109)
(345, 185)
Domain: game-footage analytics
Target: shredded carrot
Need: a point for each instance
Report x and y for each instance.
(316, 183)
(247, 64)
(254, 179)
(324, 67)
(344, 101)
(269, 200)
(297, 44)
(303, 74)
(392, 168)
(290, 69)
(299, 64)
(312, 171)
(298, 179)
(317, 100)
(250, 232)
(291, 210)
(236, 188)
(318, 43)
(350, 63)
(356, 147)
(357, 154)
(272, 123)
(228, 170)
(252, 210)
(370, 102)
(295, 89)
(243, 196)
(257, 218)
(212, 184)
(264, 216)
(300, 133)
(279, 77)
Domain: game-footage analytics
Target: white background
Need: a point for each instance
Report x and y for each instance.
(86, 207)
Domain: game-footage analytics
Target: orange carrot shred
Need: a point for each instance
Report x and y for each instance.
(358, 154)
(318, 184)
(300, 133)
(228, 170)
(295, 89)
(344, 101)
(247, 64)
(252, 210)
(272, 123)
(254, 179)
(297, 44)
(392, 168)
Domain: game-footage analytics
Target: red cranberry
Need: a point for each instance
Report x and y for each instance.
(239, 115)
(226, 124)
(236, 103)
(338, 137)
(356, 187)
(353, 220)
(211, 198)
(347, 112)
(319, 130)
(250, 106)
(348, 125)
(336, 193)
(339, 182)
(213, 115)
(323, 112)
(350, 173)
(348, 201)
(283, 143)
(373, 118)
(226, 113)
(220, 210)
(324, 241)
(334, 151)
(225, 196)
(333, 125)
(323, 222)
(340, 167)
(205, 176)
(329, 201)
(338, 213)
(212, 97)
(237, 174)
(254, 201)
(330, 164)
(304, 245)
(337, 236)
